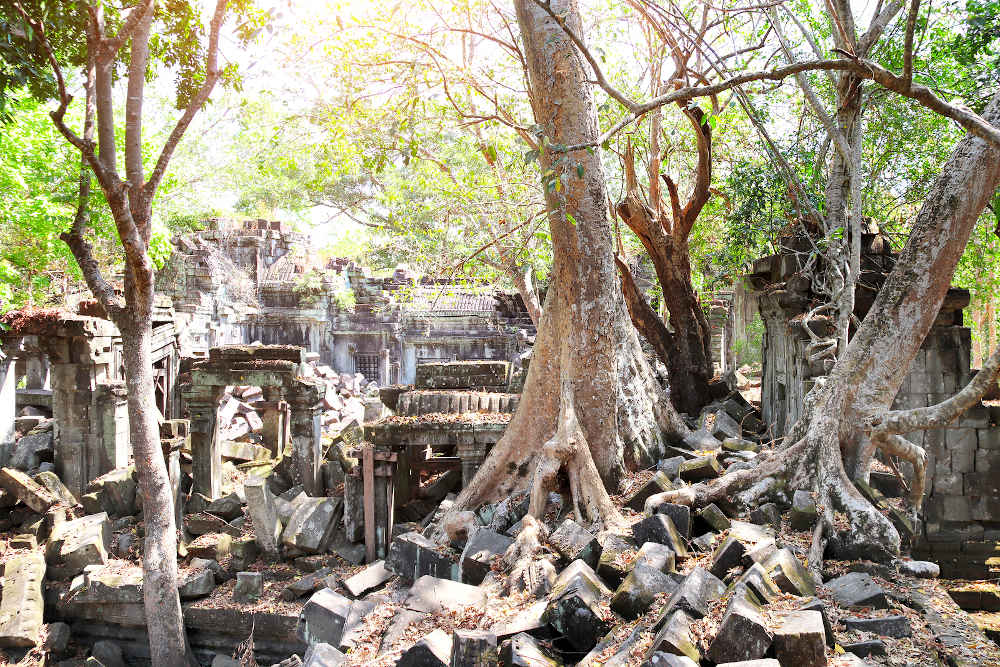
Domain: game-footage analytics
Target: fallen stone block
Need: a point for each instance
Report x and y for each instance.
(482, 547)
(26, 490)
(55, 486)
(75, 544)
(679, 514)
(721, 425)
(700, 440)
(434, 650)
(432, 595)
(523, 650)
(355, 628)
(704, 543)
(789, 573)
(306, 585)
(857, 589)
(760, 584)
(530, 620)
(249, 587)
(657, 556)
(115, 491)
(323, 618)
(659, 483)
(22, 604)
(728, 555)
(412, 556)
(108, 654)
(197, 584)
(311, 526)
(368, 579)
(884, 626)
(659, 528)
(711, 518)
(816, 604)
(617, 558)
(229, 507)
(661, 659)
(264, 515)
(473, 648)
(674, 636)
(804, 512)
(919, 568)
(204, 523)
(700, 469)
(574, 607)
(740, 445)
(766, 514)
(574, 542)
(698, 590)
(671, 466)
(867, 648)
(31, 450)
(639, 590)
(742, 634)
(323, 655)
(799, 638)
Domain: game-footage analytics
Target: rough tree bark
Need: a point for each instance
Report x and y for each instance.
(831, 445)
(590, 406)
(130, 204)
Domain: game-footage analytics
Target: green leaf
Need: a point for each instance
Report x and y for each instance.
(572, 220)
(579, 170)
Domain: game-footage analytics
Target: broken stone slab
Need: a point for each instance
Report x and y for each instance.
(766, 514)
(674, 636)
(473, 648)
(789, 573)
(355, 628)
(229, 507)
(264, 515)
(412, 556)
(659, 528)
(312, 524)
(204, 523)
(799, 638)
(816, 604)
(639, 590)
(657, 556)
(919, 568)
(617, 558)
(433, 650)
(884, 626)
(55, 486)
(482, 547)
(523, 650)
(659, 483)
(757, 580)
(695, 594)
(249, 587)
(310, 583)
(26, 490)
(323, 618)
(700, 469)
(574, 542)
(867, 648)
(323, 655)
(31, 450)
(721, 425)
(196, 584)
(804, 512)
(671, 466)
(700, 440)
(857, 589)
(679, 514)
(115, 491)
(530, 620)
(22, 604)
(727, 556)
(432, 595)
(368, 579)
(75, 544)
(740, 445)
(574, 607)
(710, 517)
(742, 634)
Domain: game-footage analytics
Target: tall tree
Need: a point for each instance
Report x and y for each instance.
(130, 199)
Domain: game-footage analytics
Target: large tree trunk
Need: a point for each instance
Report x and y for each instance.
(590, 406)
(830, 445)
(159, 559)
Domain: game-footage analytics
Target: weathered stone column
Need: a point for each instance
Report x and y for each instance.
(206, 460)
(266, 524)
(273, 413)
(384, 378)
(36, 366)
(73, 386)
(8, 405)
(304, 398)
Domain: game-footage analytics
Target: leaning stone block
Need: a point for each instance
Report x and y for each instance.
(25, 489)
(699, 469)
(51, 481)
(323, 617)
(679, 514)
(412, 555)
(638, 591)
(249, 587)
(616, 560)
(657, 556)
(322, 655)
(22, 605)
(434, 650)
(674, 636)
(727, 556)
(659, 483)
(306, 585)
(799, 638)
(695, 594)
(196, 584)
(804, 513)
(312, 524)
(473, 648)
(759, 582)
(574, 609)
(523, 650)
(574, 542)
(73, 545)
(264, 515)
(711, 517)
(116, 491)
(368, 579)
(659, 528)
(432, 595)
(789, 573)
(480, 550)
(742, 634)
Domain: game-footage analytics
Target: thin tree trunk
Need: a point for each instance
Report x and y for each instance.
(524, 282)
(159, 558)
